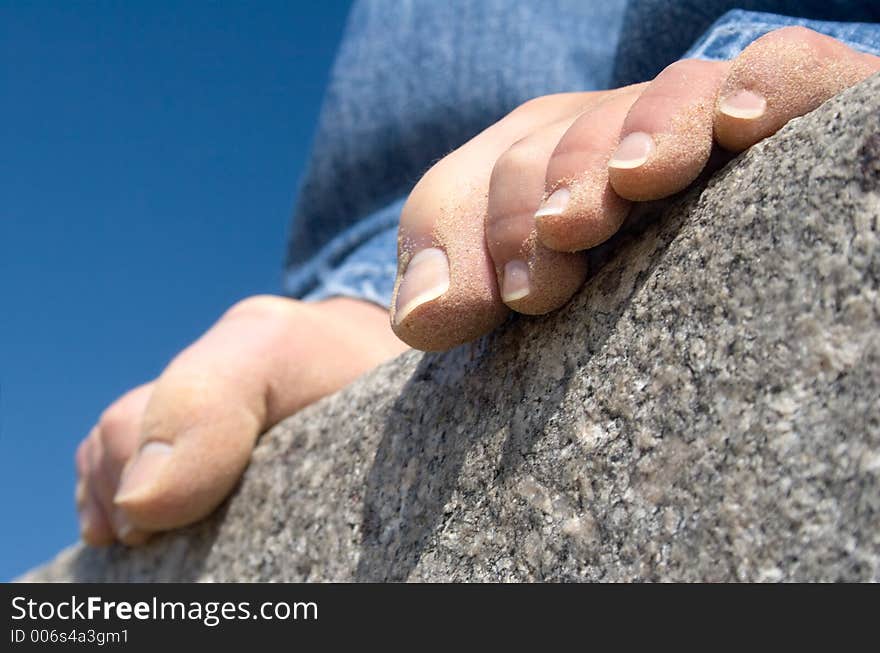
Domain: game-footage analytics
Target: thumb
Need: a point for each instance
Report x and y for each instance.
(198, 434)
(264, 360)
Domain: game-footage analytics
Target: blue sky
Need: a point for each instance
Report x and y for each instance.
(149, 162)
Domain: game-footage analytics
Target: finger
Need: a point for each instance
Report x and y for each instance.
(782, 75)
(666, 138)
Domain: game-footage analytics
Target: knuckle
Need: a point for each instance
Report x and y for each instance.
(684, 67)
(116, 418)
(260, 306)
(786, 46)
(535, 105)
(428, 193)
(429, 175)
(793, 32)
(516, 159)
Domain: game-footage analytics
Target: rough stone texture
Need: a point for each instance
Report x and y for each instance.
(706, 409)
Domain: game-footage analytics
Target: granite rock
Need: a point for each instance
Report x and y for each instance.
(705, 410)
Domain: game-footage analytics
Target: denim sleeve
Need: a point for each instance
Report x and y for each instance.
(360, 260)
(731, 33)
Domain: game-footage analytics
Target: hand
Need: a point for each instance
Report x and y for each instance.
(501, 223)
(168, 452)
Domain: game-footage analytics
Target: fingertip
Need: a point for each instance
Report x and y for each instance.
(666, 138)
(783, 74)
(145, 497)
(88, 453)
(425, 279)
(741, 120)
(451, 320)
(447, 296)
(553, 278)
(94, 527)
(169, 486)
(633, 151)
(142, 472)
(126, 531)
(593, 214)
(515, 281)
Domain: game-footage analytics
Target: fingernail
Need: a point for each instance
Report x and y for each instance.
(142, 472)
(743, 104)
(555, 204)
(632, 152)
(426, 278)
(515, 284)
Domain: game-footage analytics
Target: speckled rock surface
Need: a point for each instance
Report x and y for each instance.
(707, 409)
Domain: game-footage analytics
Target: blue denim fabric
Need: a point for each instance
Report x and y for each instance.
(414, 79)
(736, 29)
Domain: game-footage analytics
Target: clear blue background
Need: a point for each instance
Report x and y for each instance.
(149, 158)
